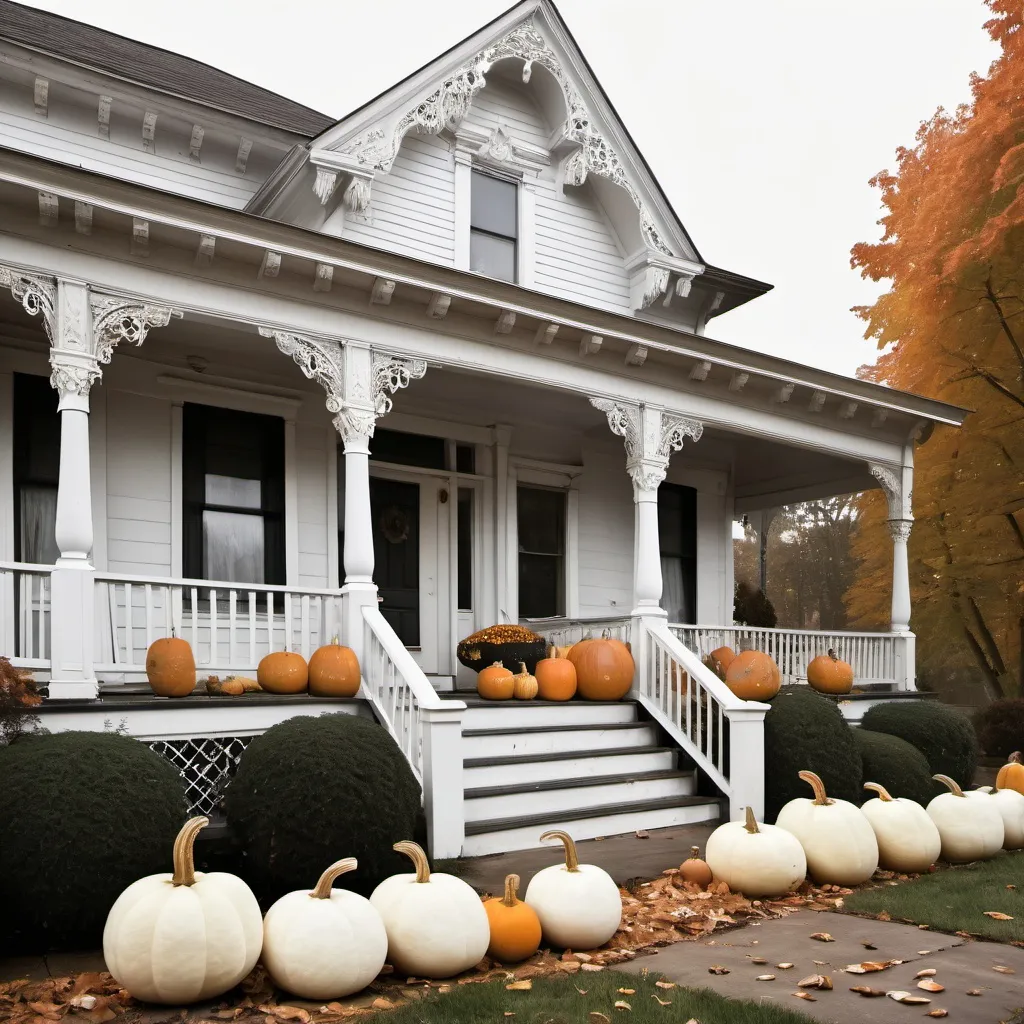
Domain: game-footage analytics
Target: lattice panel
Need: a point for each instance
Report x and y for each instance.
(205, 764)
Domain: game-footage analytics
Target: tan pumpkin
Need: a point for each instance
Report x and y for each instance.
(556, 678)
(334, 671)
(719, 661)
(753, 675)
(495, 682)
(515, 926)
(1011, 775)
(827, 674)
(695, 870)
(524, 686)
(283, 672)
(170, 667)
(604, 668)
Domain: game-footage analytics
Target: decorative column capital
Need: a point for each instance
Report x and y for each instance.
(116, 318)
(899, 529)
(37, 295)
(896, 481)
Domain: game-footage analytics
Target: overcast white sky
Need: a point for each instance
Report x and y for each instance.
(762, 119)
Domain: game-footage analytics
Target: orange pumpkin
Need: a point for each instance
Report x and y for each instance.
(515, 926)
(1011, 775)
(604, 668)
(495, 683)
(695, 870)
(334, 671)
(719, 660)
(828, 674)
(556, 678)
(283, 672)
(170, 667)
(752, 675)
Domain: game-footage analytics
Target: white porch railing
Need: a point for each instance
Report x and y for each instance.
(426, 728)
(25, 614)
(564, 631)
(876, 658)
(230, 626)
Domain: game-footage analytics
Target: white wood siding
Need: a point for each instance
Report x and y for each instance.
(311, 468)
(511, 106)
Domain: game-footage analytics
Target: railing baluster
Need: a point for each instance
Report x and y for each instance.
(270, 623)
(129, 626)
(253, 661)
(214, 631)
(193, 606)
(288, 646)
(147, 611)
(232, 615)
(304, 611)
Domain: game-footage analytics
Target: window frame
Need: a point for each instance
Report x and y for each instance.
(516, 239)
(19, 477)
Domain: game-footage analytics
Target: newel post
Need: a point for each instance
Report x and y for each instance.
(443, 787)
(746, 760)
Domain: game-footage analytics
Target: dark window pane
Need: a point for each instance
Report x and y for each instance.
(491, 256)
(677, 520)
(541, 520)
(465, 458)
(36, 465)
(465, 552)
(408, 449)
(540, 586)
(493, 205)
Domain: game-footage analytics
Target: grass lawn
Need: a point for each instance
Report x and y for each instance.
(955, 899)
(560, 1001)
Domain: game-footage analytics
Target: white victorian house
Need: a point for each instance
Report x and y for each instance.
(267, 377)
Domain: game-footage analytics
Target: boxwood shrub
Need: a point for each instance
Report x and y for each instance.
(1000, 727)
(895, 764)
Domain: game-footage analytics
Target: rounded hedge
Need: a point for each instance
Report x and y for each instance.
(806, 731)
(895, 764)
(82, 816)
(944, 735)
(1000, 727)
(312, 790)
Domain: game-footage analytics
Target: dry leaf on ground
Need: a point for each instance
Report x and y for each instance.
(765, 977)
(997, 915)
(662, 1002)
(928, 972)
(621, 1004)
(718, 969)
(519, 986)
(1004, 970)
(931, 986)
(867, 991)
(805, 995)
(937, 1013)
(907, 997)
(822, 937)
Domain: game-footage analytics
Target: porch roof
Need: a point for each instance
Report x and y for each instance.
(788, 388)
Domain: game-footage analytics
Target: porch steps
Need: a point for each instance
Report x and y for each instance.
(595, 768)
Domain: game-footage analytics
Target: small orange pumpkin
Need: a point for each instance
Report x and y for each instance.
(170, 667)
(495, 683)
(827, 674)
(719, 661)
(1011, 775)
(695, 870)
(556, 678)
(515, 926)
(604, 668)
(283, 672)
(524, 686)
(752, 675)
(334, 671)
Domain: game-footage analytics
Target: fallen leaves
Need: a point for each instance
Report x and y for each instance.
(931, 986)
(784, 966)
(520, 986)
(805, 995)
(1004, 970)
(765, 977)
(870, 966)
(997, 915)
(718, 969)
(819, 981)
(621, 1004)
(928, 972)
(662, 1002)
(867, 991)
(974, 991)
(908, 998)
(937, 1013)
(822, 937)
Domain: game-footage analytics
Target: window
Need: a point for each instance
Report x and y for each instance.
(402, 449)
(493, 226)
(233, 493)
(464, 540)
(677, 530)
(540, 520)
(36, 469)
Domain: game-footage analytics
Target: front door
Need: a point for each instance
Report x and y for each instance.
(395, 508)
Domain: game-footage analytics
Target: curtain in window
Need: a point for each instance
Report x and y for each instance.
(233, 547)
(38, 522)
(677, 596)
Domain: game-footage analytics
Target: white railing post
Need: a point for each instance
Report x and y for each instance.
(904, 655)
(746, 759)
(443, 792)
(640, 648)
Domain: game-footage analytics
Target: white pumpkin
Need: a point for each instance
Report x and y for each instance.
(436, 924)
(327, 943)
(183, 937)
(970, 829)
(578, 904)
(838, 840)
(907, 838)
(1011, 808)
(755, 859)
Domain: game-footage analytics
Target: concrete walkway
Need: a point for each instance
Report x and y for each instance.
(960, 965)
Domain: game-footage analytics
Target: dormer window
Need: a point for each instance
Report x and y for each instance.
(493, 226)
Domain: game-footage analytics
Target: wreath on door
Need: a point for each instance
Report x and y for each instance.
(394, 524)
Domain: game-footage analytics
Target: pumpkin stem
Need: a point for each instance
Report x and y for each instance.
(415, 853)
(832, 654)
(339, 867)
(335, 640)
(695, 852)
(820, 796)
(511, 885)
(950, 784)
(883, 793)
(1014, 758)
(751, 823)
(184, 864)
(572, 862)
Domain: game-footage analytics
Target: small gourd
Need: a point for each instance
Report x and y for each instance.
(324, 944)
(183, 937)
(524, 686)
(436, 924)
(827, 674)
(970, 829)
(753, 675)
(578, 904)
(907, 838)
(515, 926)
(283, 672)
(334, 671)
(495, 682)
(1010, 804)
(1011, 775)
(755, 859)
(171, 667)
(695, 870)
(838, 840)
(556, 677)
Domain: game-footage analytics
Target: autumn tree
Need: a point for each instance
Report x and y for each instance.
(951, 327)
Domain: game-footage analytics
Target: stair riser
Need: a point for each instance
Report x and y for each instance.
(589, 828)
(556, 742)
(514, 805)
(567, 768)
(513, 715)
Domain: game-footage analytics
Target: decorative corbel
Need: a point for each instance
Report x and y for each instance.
(896, 482)
(37, 295)
(325, 184)
(116, 319)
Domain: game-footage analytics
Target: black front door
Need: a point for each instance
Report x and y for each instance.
(395, 508)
